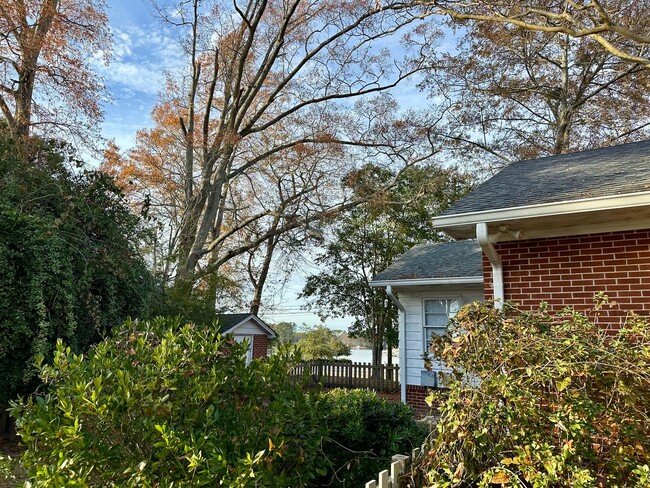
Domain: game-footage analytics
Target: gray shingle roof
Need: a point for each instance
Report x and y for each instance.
(601, 172)
(439, 260)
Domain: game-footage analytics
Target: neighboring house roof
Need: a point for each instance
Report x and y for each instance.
(443, 262)
(228, 322)
(599, 180)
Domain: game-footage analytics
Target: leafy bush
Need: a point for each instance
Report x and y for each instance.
(561, 402)
(364, 432)
(165, 404)
(68, 255)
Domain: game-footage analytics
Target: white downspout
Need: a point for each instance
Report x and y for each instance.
(495, 260)
(401, 330)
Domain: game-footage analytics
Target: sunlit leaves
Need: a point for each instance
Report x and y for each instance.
(543, 400)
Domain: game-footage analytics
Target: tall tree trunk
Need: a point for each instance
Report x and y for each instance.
(32, 40)
(563, 121)
(260, 281)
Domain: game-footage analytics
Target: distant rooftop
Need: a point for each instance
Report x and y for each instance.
(440, 260)
(229, 320)
(608, 171)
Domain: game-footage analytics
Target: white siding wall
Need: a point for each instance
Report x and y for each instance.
(413, 300)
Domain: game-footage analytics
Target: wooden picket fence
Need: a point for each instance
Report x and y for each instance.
(336, 374)
(399, 466)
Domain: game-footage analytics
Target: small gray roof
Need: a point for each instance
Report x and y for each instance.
(608, 171)
(439, 260)
(227, 321)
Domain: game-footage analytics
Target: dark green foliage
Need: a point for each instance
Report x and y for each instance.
(68, 259)
(561, 402)
(165, 404)
(365, 431)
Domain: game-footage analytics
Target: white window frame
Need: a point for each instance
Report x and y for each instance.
(426, 330)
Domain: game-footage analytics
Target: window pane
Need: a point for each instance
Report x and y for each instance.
(435, 306)
(454, 307)
(437, 314)
(438, 320)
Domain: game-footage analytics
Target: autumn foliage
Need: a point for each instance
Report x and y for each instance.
(46, 77)
(560, 402)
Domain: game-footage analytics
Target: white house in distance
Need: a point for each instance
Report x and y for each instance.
(247, 326)
(429, 284)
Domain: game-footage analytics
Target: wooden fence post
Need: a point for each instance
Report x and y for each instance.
(399, 465)
(384, 479)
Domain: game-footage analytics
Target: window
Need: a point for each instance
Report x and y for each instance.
(437, 314)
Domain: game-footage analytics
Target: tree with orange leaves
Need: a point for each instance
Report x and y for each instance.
(280, 99)
(45, 79)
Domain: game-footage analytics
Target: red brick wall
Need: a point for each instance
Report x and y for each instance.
(415, 396)
(260, 346)
(570, 270)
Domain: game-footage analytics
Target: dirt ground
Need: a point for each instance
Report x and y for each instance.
(10, 447)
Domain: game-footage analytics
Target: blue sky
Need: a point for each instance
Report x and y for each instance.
(143, 50)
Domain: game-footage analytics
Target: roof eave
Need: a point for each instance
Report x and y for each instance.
(628, 200)
(270, 332)
(457, 280)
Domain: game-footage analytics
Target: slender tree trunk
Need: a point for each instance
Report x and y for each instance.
(259, 283)
(563, 122)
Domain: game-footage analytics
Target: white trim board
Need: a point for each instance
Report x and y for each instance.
(628, 200)
(427, 281)
(259, 322)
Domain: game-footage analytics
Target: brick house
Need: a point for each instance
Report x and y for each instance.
(561, 228)
(247, 326)
(557, 229)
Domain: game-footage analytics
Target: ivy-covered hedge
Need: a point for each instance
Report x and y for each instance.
(68, 255)
(561, 401)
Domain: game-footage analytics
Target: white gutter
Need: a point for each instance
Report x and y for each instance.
(495, 260)
(401, 330)
(595, 204)
(459, 280)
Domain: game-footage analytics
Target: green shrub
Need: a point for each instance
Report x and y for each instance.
(69, 260)
(560, 402)
(165, 404)
(364, 432)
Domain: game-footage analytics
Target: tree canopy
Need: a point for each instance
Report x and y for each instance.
(368, 238)
(319, 342)
(277, 101)
(505, 93)
(619, 26)
(46, 81)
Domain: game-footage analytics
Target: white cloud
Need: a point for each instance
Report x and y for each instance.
(140, 57)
